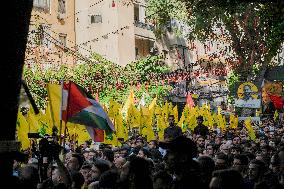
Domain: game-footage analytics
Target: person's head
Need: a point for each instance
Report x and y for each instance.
(144, 153)
(236, 150)
(256, 170)
(221, 161)
(171, 120)
(119, 162)
(281, 160)
(275, 164)
(162, 180)
(225, 179)
(236, 140)
(180, 151)
(207, 166)
(29, 176)
(108, 155)
(199, 120)
(77, 180)
(139, 142)
(225, 149)
(98, 168)
(240, 163)
(85, 171)
(139, 173)
(153, 144)
(247, 92)
(57, 176)
(75, 162)
(200, 142)
(86, 144)
(210, 149)
(109, 179)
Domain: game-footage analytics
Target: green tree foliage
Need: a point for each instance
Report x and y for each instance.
(105, 78)
(254, 29)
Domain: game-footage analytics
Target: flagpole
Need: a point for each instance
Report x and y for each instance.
(64, 137)
(60, 124)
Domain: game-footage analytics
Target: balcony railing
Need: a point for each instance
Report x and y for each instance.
(144, 25)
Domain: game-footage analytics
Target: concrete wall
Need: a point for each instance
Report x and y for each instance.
(51, 52)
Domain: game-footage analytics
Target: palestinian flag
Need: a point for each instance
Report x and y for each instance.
(80, 108)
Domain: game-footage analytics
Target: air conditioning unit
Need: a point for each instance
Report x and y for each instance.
(61, 16)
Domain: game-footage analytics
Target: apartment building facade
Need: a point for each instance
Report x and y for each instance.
(51, 37)
(121, 33)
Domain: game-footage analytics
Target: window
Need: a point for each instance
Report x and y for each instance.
(61, 7)
(43, 35)
(96, 19)
(62, 39)
(43, 4)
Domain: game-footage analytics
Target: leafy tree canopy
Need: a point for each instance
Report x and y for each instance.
(105, 78)
(254, 29)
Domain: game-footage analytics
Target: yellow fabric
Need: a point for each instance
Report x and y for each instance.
(77, 132)
(32, 121)
(250, 130)
(153, 103)
(22, 131)
(175, 113)
(233, 121)
(54, 95)
(276, 115)
(128, 103)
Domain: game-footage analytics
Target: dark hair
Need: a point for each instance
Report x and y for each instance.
(146, 152)
(102, 165)
(206, 163)
(80, 158)
(200, 118)
(171, 115)
(109, 154)
(229, 178)
(140, 170)
(164, 176)
(155, 142)
(259, 163)
(109, 179)
(243, 159)
(88, 142)
(221, 155)
(78, 178)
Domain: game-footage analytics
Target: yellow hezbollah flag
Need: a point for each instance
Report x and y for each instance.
(54, 95)
(250, 130)
(153, 103)
(128, 103)
(22, 131)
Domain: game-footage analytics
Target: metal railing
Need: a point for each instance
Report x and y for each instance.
(144, 25)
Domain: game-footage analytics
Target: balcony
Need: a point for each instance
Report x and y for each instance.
(144, 30)
(144, 25)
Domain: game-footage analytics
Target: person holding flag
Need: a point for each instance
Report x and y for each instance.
(172, 131)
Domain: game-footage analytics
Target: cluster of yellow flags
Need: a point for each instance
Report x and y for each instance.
(250, 130)
(45, 120)
(151, 121)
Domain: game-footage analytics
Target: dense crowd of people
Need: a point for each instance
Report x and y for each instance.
(199, 159)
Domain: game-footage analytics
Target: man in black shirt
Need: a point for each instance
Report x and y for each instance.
(201, 129)
(172, 131)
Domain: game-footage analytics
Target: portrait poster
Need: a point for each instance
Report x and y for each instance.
(272, 92)
(247, 96)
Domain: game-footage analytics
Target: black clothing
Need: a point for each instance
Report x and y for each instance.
(172, 132)
(201, 130)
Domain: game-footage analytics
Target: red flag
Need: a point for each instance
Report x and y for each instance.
(277, 101)
(98, 135)
(189, 100)
(97, 97)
